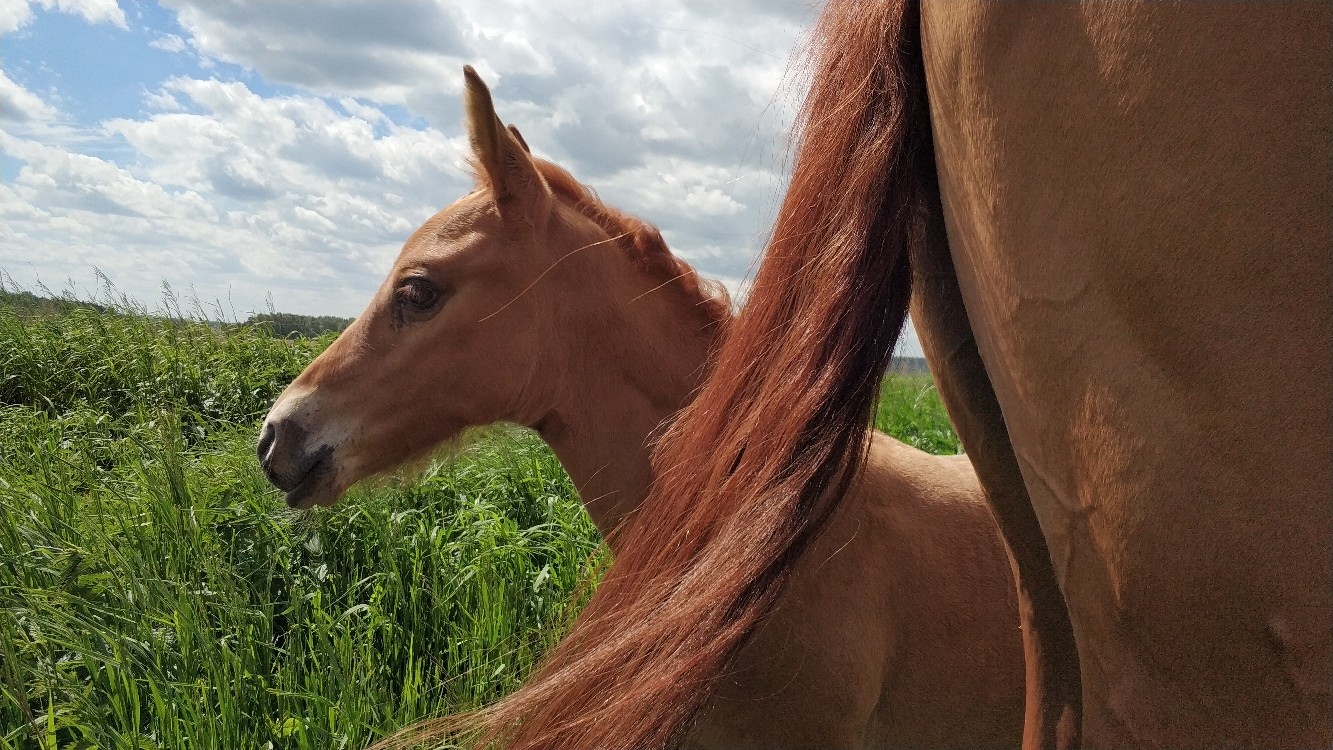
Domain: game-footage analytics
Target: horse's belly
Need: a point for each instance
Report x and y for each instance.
(1137, 202)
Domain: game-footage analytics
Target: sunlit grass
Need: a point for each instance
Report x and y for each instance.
(909, 409)
(156, 593)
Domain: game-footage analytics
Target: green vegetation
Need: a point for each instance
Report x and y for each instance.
(909, 409)
(156, 593)
(282, 325)
(288, 325)
(33, 303)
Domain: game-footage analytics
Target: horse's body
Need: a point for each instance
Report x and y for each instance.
(1137, 206)
(899, 628)
(1117, 222)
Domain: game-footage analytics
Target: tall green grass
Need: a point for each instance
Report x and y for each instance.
(156, 593)
(909, 409)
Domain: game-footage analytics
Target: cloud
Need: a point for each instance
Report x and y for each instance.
(668, 114)
(366, 48)
(18, 105)
(14, 15)
(608, 81)
(235, 192)
(168, 43)
(92, 11)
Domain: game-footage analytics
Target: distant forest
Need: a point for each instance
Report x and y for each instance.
(280, 325)
(29, 302)
(909, 366)
(286, 325)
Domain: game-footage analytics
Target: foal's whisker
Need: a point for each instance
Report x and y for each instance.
(542, 275)
(681, 275)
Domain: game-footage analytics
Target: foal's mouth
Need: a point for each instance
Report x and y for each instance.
(306, 478)
(315, 487)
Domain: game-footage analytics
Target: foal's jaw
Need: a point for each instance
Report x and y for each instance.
(316, 442)
(303, 465)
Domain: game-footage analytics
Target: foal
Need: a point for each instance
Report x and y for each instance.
(530, 301)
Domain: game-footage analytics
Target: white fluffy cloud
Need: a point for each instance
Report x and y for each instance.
(233, 194)
(17, 104)
(667, 90)
(15, 14)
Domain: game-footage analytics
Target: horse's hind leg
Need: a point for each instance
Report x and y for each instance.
(1054, 697)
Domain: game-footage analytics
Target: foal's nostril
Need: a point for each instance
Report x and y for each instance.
(289, 459)
(267, 435)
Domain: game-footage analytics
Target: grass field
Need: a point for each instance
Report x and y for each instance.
(156, 593)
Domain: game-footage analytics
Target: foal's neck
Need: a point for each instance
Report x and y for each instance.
(640, 365)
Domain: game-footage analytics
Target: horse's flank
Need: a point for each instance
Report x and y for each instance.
(1146, 274)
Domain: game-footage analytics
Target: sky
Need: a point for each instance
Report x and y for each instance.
(256, 155)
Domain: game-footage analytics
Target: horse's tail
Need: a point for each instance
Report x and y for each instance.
(754, 467)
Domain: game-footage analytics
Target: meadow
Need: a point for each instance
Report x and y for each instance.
(155, 592)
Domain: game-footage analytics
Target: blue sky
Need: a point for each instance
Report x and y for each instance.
(253, 153)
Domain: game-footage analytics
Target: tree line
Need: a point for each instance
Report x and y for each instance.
(288, 325)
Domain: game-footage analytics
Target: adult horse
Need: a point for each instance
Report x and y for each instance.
(1117, 219)
(531, 301)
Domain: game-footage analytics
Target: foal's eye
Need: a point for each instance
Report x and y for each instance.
(417, 294)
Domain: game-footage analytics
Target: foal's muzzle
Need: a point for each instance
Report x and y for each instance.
(304, 471)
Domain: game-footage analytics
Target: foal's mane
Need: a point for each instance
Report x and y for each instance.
(642, 243)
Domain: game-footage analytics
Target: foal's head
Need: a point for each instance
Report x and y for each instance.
(473, 324)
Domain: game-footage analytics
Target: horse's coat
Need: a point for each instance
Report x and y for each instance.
(1137, 205)
(530, 301)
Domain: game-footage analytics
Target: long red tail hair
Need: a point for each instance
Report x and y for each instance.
(752, 470)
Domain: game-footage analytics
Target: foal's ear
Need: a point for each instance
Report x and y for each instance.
(502, 160)
(519, 137)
